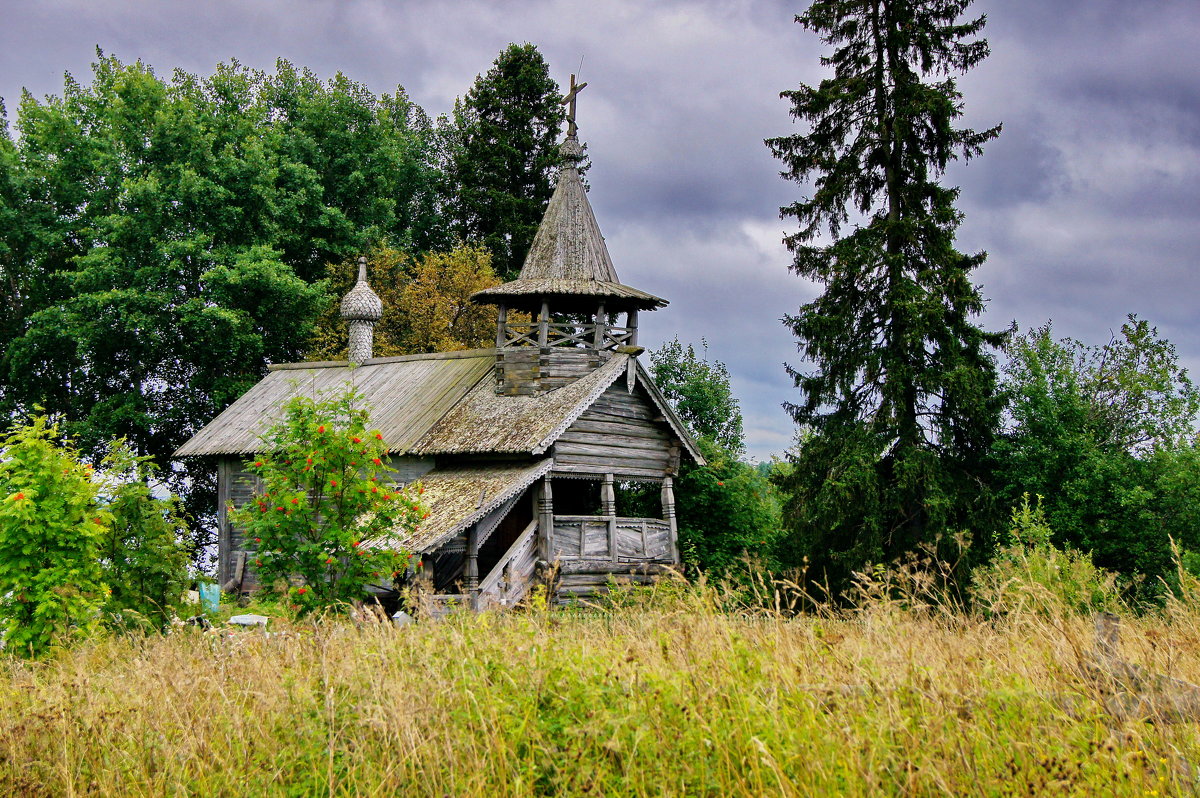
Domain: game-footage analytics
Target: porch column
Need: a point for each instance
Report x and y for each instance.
(471, 569)
(600, 329)
(668, 508)
(608, 507)
(631, 323)
(544, 325)
(608, 496)
(545, 519)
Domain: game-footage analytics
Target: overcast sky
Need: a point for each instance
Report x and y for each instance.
(1088, 204)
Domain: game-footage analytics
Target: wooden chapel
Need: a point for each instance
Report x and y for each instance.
(519, 447)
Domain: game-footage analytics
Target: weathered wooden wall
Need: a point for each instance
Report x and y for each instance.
(601, 543)
(528, 370)
(621, 434)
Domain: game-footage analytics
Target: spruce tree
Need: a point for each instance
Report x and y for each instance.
(899, 406)
(505, 153)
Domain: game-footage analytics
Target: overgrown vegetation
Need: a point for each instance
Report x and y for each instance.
(162, 239)
(322, 523)
(665, 695)
(81, 548)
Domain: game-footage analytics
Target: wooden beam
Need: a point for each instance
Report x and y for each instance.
(544, 325)
(600, 329)
(501, 326)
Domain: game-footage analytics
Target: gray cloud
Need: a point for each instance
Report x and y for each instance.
(1087, 204)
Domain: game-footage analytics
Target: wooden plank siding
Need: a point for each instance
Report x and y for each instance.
(621, 434)
(587, 538)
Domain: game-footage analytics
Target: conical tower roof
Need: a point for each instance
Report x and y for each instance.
(568, 261)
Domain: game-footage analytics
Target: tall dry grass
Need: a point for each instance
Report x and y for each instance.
(662, 695)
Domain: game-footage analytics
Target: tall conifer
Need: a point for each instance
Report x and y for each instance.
(899, 406)
(506, 152)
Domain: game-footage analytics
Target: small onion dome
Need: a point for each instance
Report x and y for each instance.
(362, 304)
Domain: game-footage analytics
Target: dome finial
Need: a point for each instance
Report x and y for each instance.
(361, 308)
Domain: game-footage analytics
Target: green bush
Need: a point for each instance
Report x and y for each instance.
(1030, 575)
(143, 558)
(50, 526)
(328, 507)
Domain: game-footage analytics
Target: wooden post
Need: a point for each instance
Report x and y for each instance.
(224, 533)
(545, 519)
(668, 507)
(502, 326)
(631, 323)
(608, 496)
(601, 328)
(608, 507)
(544, 325)
(471, 569)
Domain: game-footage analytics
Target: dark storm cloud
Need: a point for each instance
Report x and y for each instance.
(1088, 204)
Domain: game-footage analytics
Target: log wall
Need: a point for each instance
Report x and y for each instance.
(621, 434)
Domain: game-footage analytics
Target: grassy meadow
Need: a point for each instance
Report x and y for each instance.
(661, 695)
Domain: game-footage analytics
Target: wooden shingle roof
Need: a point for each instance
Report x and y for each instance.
(435, 404)
(486, 422)
(457, 497)
(407, 395)
(568, 258)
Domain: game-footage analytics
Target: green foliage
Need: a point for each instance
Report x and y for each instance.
(1030, 574)
(50, 527)
(143, 559)
(727, 508)
(322, 523)
(162, 240)
(724, 511)
(1107, 435)
(699, 391)
(900, 407)
(504, 152)
(427, 303)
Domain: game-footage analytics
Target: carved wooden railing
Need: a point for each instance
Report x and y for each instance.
(565, 335)
(611, 538)
(510, 579)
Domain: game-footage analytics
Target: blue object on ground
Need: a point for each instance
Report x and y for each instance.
(210, 597)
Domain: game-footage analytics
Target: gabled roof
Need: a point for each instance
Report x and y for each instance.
(442, 403)
(568, 257)
(485, 421)
(407, 395)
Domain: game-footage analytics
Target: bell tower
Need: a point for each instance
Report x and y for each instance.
(579, 311)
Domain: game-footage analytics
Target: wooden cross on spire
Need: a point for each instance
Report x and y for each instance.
(569, 101)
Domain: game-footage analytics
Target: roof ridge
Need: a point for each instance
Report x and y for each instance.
(376, 361)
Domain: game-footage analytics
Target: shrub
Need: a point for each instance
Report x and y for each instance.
(1029, 574)
(327, 508)
(143, 559)
(50, 527)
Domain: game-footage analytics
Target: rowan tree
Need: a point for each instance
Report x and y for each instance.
(323, 523)
(899, 404)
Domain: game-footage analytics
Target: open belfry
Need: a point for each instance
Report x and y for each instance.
(519, 448)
